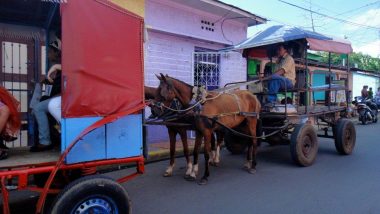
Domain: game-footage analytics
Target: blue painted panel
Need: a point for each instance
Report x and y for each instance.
(124, 137)
(91, 147)
(72, 127)
(318, 80)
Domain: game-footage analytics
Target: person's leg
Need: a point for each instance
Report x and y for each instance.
(4, 115)
(40, 113)
(55, 108)
(288, 83)
(274, 86)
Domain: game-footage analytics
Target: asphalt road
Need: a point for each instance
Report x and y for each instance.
(334, 184)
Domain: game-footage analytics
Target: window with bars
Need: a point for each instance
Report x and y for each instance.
(207, 69)
(15, 78)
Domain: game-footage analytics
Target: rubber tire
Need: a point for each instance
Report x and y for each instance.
(301, 133)
(363, 118)
(84, 187)
(342, 146)
(375, 117)
(235, 144)
(364, 121)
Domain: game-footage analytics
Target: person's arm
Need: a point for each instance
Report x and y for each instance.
(54, 68)
(280, 71)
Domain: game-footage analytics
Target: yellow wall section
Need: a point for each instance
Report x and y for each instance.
(135, 6)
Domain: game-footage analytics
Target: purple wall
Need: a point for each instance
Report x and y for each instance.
(173, 33)
(174, 18)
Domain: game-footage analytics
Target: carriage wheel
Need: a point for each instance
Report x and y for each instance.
(304, 144)
(235, 144)
(345, 137)
(92, 194)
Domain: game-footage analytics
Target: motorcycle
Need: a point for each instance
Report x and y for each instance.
(376, 99)
(367, 110)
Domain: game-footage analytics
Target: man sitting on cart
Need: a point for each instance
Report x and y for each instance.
(41, 109)
(284, 75)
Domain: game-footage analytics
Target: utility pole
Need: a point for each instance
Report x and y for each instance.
(311, 17)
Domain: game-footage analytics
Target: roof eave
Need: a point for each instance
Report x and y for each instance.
(254, 19)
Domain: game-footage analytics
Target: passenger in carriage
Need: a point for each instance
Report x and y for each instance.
(49, 105)
(10, 120)
(284, 75)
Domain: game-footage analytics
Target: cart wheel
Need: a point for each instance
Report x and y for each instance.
(92, 194)
(345, 137)
(304, 144)
(235, 144)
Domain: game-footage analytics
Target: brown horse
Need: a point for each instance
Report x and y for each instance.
(153, 94)
(184, 95)
(220, 110)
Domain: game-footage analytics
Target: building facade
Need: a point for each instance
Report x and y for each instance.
(183, 39)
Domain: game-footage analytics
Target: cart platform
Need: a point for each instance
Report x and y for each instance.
(22, 156)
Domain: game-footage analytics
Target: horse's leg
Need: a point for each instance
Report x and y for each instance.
(252, 148)
(219, 138)
(207, 150)
(172, 137)
(183, 134)
(197, 146)
(213, 150)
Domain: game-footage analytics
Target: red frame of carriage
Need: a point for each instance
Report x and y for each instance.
(123, 77)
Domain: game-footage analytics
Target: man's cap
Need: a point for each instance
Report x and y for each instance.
(56, 44)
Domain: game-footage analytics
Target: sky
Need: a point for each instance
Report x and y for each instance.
(364, 34)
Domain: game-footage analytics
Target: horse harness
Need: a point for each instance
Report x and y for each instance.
(200, 97)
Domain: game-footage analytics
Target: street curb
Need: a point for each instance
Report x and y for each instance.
(164, 154)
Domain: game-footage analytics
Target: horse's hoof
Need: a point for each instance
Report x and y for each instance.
(203, 181)
(166, 174)
(251, 171)
(214, 164)
(189, 178)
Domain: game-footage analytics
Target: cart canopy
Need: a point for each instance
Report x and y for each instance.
(282, 33)
(102, 59)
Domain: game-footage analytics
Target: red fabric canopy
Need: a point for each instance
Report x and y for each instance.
(102, 59)
(329, 46)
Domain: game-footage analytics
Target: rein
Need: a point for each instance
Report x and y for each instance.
(245, 135)
(201, 101)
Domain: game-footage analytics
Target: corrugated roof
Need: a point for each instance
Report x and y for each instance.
(283, 33)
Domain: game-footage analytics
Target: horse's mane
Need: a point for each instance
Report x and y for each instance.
(173, 79)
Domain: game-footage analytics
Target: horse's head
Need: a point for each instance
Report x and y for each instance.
(152, 94)
(166, 88)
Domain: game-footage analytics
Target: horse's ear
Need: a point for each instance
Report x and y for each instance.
(158, 77)
(163, 77)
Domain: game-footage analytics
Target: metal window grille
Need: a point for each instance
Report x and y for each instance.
(15, 78)
(207, 69)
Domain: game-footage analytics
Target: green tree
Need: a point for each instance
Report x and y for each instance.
(363, 61)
